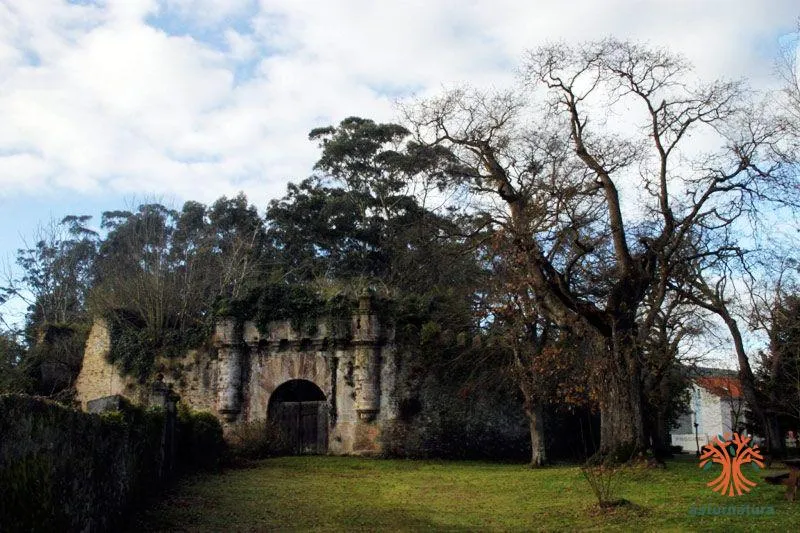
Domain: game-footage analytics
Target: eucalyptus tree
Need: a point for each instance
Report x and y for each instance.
(55, 273)
(362, 215)
(592, 168)
(161, 273)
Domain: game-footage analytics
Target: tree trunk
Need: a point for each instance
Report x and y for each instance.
(657, 414)
(661, 433)
(538, 451)
(622, 434)
(658, 429)
(531, 405)
(618, 426)
(775, 440)
(775, 444)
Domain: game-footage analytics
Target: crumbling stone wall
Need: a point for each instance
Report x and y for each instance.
(98, 377)
(235, 378)
(194, 374)
(441, 418)
(365, 378)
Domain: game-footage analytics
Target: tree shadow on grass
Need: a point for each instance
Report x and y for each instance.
(397, 520)
(376, 520)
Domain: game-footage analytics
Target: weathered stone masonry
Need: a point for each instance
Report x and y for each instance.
(356, 371)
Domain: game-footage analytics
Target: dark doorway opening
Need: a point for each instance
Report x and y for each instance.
(301, 411)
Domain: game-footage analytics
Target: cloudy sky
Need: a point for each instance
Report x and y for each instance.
(104, 100)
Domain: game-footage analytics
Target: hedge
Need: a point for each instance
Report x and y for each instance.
(65, 470)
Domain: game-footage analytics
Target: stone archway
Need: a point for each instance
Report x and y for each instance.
(300, 409)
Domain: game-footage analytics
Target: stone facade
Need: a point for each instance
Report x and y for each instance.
(99, 378)
(236, 379)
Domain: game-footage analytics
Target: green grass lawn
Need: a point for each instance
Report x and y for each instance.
(357, 494)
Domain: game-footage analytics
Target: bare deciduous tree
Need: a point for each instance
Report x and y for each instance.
(603, 190)
(788, 68)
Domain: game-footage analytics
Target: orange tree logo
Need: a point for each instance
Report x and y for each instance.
(732, 452)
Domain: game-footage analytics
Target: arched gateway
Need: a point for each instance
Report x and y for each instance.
(300, 409)
(331, 389)
(339, 377)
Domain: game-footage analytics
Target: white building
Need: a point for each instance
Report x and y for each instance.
(716, 407)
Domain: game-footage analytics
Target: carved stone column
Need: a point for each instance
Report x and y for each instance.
(367, 364)
(230, 347)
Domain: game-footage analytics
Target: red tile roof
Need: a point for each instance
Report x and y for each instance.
(722, 386)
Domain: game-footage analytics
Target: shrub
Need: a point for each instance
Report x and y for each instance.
(296, 303)
(83, 470)
(200, 439)
(134, 346)
(438, 423)
(64, 470)
(259, 439)
(603, 476)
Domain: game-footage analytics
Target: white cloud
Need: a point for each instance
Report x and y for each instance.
(94, 98)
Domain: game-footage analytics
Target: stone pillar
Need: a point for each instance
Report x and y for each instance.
(230, 347)
(169, 447)
(366, 336)
(158, 392)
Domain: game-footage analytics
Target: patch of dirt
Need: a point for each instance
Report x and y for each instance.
(617, 508)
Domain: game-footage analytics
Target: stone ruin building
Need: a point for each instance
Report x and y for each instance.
(331, 392)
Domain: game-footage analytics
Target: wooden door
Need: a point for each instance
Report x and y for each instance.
(305, 425)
